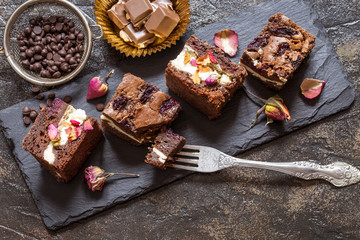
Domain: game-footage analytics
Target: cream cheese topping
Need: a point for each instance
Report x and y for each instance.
(189, 68)
(113, 125)
(70, 114)
(49, 155)
(162, 158)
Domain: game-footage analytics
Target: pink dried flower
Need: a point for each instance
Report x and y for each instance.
(97, 87)
(211, 80)
(95, 177)
(227, 40)
(193, 62)
(274, 108)
(87, 125)
(311, 88)
(74, 122)
(53, 133)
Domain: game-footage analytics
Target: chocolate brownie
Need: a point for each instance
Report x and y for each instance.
(277, 51)
(62, 138)
(166, 145)
(138, 110)
(203, 76)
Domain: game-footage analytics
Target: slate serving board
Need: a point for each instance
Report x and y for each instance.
(61, 204)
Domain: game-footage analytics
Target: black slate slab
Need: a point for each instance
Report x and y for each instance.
(62, 204)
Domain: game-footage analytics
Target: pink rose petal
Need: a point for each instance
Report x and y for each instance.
(227, 40)
(53, 132)
(87, 125)
(212, 58)
(311, 88)
(193, 62)
(74, 122)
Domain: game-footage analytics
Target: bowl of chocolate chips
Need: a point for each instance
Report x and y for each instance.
(138, 28)
(48, 42)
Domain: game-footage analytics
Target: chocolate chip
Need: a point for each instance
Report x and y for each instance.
(49, 55)
(37, 66)
(47, 28)
(29, 53)
(56, 57)
(26, 63)
(67, 99)
(38, 57)
(23, 56)
(26, 110)
(56, 74)
(40, 96)
(100, 107)
(52, 19)
(32, 21)
(33, 114)
(49, 102)
(59, 26)
(44, 52)
(42, 105)
(37, 30)
(51, 95)
(27, 31)
(35, 90)
(80, 36)
(26, 120)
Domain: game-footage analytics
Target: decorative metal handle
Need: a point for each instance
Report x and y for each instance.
(101, 31)
(340, 174)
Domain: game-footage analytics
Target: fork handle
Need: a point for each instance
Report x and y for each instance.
(338, 173)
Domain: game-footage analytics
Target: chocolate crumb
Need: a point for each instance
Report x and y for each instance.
(67, 99)
(35, 90)
(40, 96)
(51, 95)
(42, 105)
(100, 107)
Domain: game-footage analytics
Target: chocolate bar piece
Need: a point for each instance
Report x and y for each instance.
(162, 21)
(141, 37)
(138, 9)
(117, 15)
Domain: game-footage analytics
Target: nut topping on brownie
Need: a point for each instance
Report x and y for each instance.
(277, 52)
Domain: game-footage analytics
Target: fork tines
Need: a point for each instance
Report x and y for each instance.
(186, 159)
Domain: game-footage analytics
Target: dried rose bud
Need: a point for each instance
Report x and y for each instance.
(227, 40)
(87, 125)
(274, 108)
(95, 177)
(97, 87)
(211, 80)
(311, 88)
(193, 62)
(53, 132)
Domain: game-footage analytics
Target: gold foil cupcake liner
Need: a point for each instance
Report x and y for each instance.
(182, 8)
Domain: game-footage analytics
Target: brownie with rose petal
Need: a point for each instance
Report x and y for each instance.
(279, 49)
(138, 110)
(203, 76)
(62, 138)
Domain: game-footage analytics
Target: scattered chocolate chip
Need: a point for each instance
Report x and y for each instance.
(49, 102)
(67, 99)
(40, 96)
(26, 110)
(42, 105)
(100, 107)
(26, 120)
(51, 95)
(33, 114)
(35, 89)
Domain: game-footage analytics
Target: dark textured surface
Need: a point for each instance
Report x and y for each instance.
(234, 203)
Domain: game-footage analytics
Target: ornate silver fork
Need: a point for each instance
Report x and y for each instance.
(207, 159)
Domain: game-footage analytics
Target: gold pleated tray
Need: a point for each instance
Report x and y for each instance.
(111, 34)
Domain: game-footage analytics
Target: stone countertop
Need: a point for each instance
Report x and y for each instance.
(232, 204)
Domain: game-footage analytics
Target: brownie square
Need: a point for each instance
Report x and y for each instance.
(166, 145)
(203, 76)
(279, 49)
(65, 157)
(138, 110)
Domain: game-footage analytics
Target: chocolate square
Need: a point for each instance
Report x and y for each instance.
(163, 21)
(138, 9)
(117, 15)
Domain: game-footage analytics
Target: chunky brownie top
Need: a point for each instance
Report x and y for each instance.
(137, 105)
(280, 47)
